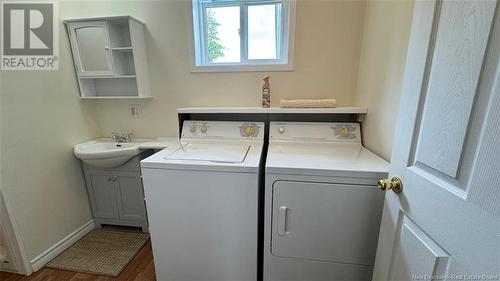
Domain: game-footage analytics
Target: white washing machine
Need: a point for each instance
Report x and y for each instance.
(202, 202)
(322, 205)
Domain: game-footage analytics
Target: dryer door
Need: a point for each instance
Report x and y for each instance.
(328, 222)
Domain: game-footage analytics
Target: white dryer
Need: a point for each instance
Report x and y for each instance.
(322, 205)
(202, 202)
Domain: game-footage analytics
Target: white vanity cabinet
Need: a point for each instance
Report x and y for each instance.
(110, 58)
(116, 195)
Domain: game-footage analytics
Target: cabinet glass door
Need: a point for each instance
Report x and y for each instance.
(91, 48)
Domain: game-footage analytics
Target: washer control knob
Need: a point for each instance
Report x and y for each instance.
(193, 129)
(249, 130)
(281, 130)
(204, 129)
(344, 132)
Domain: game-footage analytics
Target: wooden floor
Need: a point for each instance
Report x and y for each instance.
(141, 268)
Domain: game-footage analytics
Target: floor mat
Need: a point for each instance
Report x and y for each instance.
(102, 252)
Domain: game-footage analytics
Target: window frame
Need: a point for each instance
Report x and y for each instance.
(199, 50)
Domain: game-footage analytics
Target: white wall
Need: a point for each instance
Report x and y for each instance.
(40, 121)
(383, 56)
(328, 41)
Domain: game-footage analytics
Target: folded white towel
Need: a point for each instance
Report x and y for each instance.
(320, 103)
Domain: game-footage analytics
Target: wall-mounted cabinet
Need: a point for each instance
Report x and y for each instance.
(110, 59)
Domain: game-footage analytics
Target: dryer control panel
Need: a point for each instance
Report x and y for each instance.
(222, 130)
(342, 132)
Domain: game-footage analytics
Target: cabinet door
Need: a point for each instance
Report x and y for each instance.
(130, 196)
(102, 194)
(91, 48)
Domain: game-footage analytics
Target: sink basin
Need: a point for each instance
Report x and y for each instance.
(106, 153)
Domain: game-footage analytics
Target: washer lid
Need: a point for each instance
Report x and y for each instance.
(222, 153)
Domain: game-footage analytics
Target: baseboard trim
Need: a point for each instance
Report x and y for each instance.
(60, 246)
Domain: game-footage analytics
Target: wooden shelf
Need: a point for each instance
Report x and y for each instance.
(115, 97)
(108, 77)
(274, 110)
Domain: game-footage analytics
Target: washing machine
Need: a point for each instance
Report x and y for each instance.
(202, 202)
(322, 205)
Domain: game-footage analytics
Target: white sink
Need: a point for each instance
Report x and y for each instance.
(106, 153)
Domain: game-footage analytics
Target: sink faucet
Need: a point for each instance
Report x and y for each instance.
(122, 137)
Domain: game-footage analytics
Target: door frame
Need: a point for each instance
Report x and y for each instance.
(10, 231)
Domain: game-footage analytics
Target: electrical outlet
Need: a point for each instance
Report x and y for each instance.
(135, 110)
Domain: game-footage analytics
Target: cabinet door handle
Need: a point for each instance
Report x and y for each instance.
(282, 216)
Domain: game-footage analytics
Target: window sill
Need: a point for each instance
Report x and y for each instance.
(242, 68)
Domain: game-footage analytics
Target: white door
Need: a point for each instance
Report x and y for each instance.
(446, 221)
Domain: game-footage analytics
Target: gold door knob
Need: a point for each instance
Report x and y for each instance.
(395, 184)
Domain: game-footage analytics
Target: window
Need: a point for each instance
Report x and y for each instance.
(243, 35)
